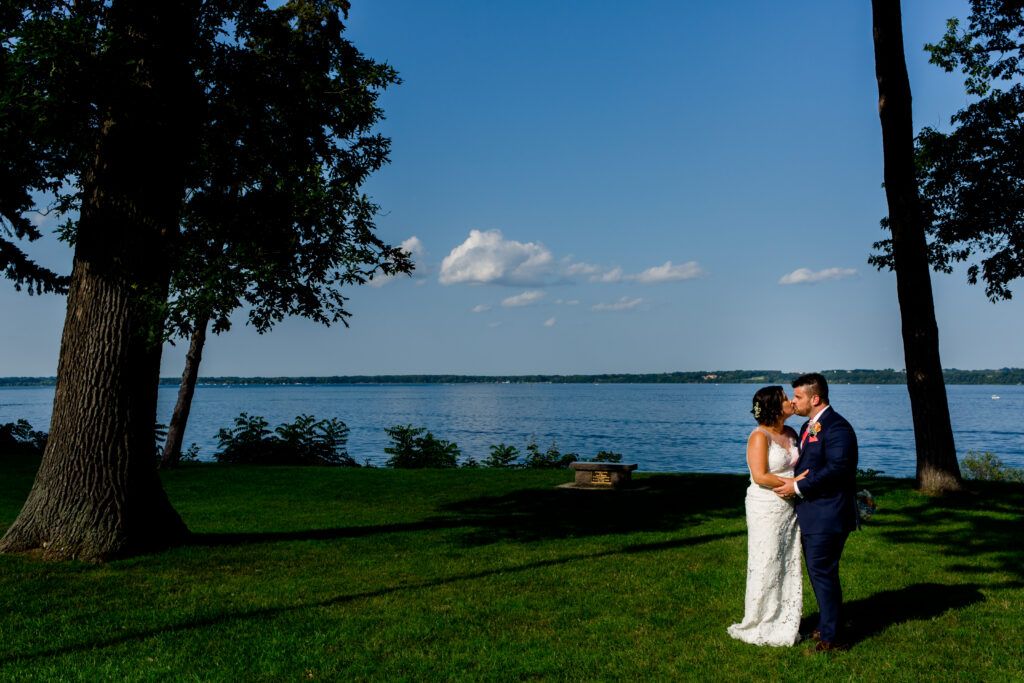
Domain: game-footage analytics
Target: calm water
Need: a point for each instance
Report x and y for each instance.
(671, 427)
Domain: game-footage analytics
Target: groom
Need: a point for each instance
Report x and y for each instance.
(826, 507)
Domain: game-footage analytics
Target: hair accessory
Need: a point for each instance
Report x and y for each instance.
(757, 410)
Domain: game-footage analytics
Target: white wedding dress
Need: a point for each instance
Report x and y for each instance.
(774, 596)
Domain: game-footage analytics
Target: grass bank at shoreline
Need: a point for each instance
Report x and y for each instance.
(337, 574)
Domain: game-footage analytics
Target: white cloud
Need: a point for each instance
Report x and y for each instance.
(480, 308)
(583, 269)
(525, 299)
(494, 324)
(415, 248)
(670, 273)
(624, 304)
(613, 275)
(489, 258)
(572, 302)
(550, 322)
(806, 276)
(663, 273)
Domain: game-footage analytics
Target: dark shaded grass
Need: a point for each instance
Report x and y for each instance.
(492, 575)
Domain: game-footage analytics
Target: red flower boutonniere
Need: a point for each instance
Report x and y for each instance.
(813, 429)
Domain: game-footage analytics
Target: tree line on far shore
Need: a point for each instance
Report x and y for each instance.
(858, 376)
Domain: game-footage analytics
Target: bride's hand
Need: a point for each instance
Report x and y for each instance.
(803, 475)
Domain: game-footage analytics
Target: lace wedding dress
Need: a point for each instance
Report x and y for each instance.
(774, 596)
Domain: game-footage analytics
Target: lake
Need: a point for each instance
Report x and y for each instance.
(662, 427)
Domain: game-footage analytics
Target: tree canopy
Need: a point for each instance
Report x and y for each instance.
(274, 217)
(971, 179)
(211, 151)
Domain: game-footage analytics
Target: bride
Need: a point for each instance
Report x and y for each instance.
(774, 596)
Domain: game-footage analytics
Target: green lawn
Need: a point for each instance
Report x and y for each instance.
(348, 574)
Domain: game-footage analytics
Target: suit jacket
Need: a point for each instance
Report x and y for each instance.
(828, 495)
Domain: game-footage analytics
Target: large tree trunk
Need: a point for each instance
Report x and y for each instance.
(179, 420)
(937, 467)
(97, 495)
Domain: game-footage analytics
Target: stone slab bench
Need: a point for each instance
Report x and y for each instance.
(602, 475)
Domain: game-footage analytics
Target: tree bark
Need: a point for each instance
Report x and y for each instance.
(937, 467)
(97, 495)
(179, 420)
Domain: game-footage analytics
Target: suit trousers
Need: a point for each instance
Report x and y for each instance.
(821, 554)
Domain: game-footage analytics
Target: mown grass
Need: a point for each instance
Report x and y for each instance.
(349, 574)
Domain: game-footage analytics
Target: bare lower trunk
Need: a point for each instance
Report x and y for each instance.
(179, 420)
(937, 467)
(97, 495)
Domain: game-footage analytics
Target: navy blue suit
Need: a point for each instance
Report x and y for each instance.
(827, 509)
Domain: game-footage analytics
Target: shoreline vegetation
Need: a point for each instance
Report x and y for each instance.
(859, 376)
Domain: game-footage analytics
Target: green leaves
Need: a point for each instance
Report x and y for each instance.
(412, 449)
(971, 180)
(306, 441)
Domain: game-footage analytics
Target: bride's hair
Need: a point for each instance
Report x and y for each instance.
(768, 405)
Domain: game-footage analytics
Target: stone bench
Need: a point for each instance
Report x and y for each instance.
(602, 475)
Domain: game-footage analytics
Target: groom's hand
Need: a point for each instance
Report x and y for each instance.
(785, 490)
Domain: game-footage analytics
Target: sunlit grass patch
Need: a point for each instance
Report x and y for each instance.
(348, 574)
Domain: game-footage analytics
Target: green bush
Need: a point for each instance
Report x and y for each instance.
(501, 456)
(19, 437)
(410, 450)
(987, 467)
(189, 455)
(550, 459)
(505, 456)
(605, 456)
(307, 441)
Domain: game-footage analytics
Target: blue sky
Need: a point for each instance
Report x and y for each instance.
(595, 187)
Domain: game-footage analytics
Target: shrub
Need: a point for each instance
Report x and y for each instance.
(191, 454)
(550, 459)
(987, 467)
(605, 456)
(307, 441)
(410, 450)
(19, 437)
(501, 456)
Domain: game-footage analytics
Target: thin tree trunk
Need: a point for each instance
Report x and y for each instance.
(179, 420)
(937, 467)
(97, 495)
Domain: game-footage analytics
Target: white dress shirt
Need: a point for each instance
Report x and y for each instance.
(796, 485)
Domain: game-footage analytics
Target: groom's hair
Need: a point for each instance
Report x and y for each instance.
(815, 383)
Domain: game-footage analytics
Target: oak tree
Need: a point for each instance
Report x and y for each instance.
(275, 221)
(937, 467)
(971, 179)
(107, 105)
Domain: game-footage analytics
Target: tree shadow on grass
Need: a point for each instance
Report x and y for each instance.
(865, 618)
(979, 531)
(271, 612)
(658, 503)
(663, 503)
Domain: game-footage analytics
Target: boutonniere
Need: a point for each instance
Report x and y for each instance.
(814, 428)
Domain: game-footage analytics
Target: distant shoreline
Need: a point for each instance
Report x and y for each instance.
(859, 376)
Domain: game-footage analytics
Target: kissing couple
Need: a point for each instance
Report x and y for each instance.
(815, 509)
